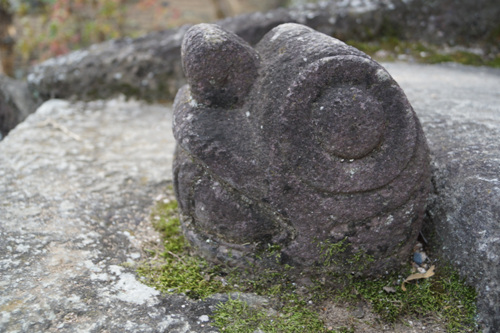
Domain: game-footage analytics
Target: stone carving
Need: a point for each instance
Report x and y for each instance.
(303, 145)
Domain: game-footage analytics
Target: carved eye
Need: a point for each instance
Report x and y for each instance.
(348, 120)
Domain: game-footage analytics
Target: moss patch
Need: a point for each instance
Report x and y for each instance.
(174, 269)
(236, 316)
(392, 48)
(341, 254)
(444, 296)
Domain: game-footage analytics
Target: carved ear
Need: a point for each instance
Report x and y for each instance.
(220, 67)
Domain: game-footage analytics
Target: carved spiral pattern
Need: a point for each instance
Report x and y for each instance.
(343, 127)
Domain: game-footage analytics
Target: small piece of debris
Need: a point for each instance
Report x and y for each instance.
(417, 276)
(419, 257)
(389, 290)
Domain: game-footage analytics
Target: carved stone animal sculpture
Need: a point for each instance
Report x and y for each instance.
(303, 145)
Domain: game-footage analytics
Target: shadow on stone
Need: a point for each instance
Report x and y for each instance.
(16, 103)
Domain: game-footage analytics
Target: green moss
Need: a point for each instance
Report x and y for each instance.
(330, 251)
(368, 48)
(235, 316)
(461, 57)
(173, 269)
(342, 255)
(271, 252)
(393, 47)
(444, 296)
(494, 62)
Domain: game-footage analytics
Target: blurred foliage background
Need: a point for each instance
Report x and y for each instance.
(32, 31)
(35, 30)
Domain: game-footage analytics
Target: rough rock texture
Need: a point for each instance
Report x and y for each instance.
(298, 144)
(150, 67)
(146, 67)
(76, 185)
(460, 114)
(16, 103)
(43, 240)
(450, 22)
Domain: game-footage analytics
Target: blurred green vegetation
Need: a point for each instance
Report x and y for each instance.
(48, 28)
(53, 27)
(392, 48)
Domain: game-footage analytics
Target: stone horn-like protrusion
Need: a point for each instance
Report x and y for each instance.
(220, 67)
(305, 146)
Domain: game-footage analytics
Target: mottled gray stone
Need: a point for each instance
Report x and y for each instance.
(147, 67)
(16, 103)
(448, 22)
(215, 80)
(460, 113)
(309, 143)
(76, 186)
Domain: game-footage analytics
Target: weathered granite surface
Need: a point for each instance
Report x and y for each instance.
(449, 22)
(16, 103)
(61, 193)
(76, 185)
(298, 144)
(460, 113)
(149, 67)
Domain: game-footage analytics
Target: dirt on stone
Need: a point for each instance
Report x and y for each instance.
(362, 319)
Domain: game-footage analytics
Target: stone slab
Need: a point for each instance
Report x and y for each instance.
(459, 108)
(76, 185)
(149, 67)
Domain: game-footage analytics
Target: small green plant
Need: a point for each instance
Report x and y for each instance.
(444, 296)
(175, 270)
(329, 251)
